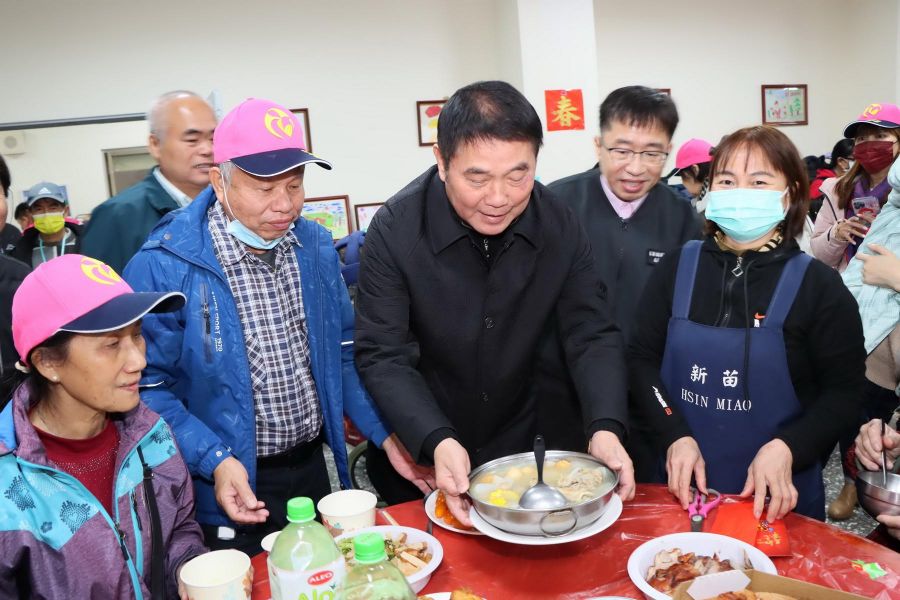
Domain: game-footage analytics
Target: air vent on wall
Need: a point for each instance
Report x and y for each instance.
(12, 142)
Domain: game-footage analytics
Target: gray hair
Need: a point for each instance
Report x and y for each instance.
(226, 169)
(156, 116)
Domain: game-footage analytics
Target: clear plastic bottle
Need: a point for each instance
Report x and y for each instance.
(373, 577)
(305, 563)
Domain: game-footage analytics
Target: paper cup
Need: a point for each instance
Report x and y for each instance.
(218, 575)
(347, 510)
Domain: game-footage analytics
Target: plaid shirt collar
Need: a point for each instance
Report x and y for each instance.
(231, 250)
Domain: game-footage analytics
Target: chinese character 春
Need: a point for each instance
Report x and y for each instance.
(730, 378)
(698, 374)
(565, 112)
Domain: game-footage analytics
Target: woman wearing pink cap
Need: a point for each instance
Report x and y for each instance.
(852, 201)
(95, 500)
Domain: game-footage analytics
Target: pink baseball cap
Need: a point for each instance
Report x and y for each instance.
(82, 295)
(693, 152)
(263, 139)
(879, 115)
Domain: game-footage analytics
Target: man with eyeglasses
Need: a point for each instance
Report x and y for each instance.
(631, 219)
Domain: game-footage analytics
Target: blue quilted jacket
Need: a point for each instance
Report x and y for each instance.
(198, 375)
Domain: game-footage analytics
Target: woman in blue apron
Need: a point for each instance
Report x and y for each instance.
(748, 357)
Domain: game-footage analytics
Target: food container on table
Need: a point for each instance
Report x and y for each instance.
(876, 498)
(544, 522)
(418, 580)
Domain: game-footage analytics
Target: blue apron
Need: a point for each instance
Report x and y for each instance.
(703, 372)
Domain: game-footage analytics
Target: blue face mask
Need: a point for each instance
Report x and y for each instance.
(247, 236)
(745, 214)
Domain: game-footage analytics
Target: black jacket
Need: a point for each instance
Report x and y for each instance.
(446, 339)
(822, 335)
(9, 237)
(627, 251)
(12, 272)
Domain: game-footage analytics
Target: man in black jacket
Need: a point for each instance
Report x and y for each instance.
(461, 271)
(632, 220)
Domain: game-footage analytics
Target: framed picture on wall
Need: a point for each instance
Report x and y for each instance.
(331, 212)
(785, 104)
(427, 113)
(364, 214)
(126, 166)
(303, 116)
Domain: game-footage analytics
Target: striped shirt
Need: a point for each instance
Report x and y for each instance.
(270, 306)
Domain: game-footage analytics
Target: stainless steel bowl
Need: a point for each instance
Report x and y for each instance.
(542, 522)
(875, 497)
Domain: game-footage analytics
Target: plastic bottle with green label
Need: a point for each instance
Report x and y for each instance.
(373, 577)
(305, 563)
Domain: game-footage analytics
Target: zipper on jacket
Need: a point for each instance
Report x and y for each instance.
(137, 514)
(207, 325)
(122, 547)
(737, 272)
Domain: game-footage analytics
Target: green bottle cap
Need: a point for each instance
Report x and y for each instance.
(368, 548)
(300, 510)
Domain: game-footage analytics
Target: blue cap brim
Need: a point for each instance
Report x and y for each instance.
(124, 310)
(850, 130)
(268, 164)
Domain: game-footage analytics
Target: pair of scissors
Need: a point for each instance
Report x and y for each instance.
(700, 506)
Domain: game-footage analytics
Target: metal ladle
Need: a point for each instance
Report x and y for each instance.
(541, 495)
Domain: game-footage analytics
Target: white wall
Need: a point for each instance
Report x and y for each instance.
(358, 66)
(714, 56)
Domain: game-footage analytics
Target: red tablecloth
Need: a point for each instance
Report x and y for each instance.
(597, 566)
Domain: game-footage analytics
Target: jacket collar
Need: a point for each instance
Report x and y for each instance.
(17, 434)
(445, 227)
(160, 200)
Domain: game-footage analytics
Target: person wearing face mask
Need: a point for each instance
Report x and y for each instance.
(840, 161)
(839, 227)
(256, 371)
(749, 356)
(53, 234)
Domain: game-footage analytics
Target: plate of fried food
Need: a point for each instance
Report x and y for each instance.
(659, 565)
(414, 552)
(440, 515)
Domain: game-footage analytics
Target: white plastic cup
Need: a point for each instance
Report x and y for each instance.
(218, 575)
(347, 510)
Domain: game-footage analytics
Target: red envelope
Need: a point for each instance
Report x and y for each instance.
(772, 538)
(735, 519)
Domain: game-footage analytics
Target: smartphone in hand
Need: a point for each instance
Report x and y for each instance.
(867, 207)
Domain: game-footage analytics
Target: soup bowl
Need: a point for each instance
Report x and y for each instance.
(544, 522)
(876, 498)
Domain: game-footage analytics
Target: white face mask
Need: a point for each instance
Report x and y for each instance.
(245, 234)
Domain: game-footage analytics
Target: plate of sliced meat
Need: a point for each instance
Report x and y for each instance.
(657, 567)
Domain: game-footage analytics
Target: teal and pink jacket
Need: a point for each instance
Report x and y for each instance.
(57, 540)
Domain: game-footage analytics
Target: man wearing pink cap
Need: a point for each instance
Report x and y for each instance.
(255, 373)
(632, 220)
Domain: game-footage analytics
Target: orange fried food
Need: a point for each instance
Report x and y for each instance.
(443, 513)
(464, 595)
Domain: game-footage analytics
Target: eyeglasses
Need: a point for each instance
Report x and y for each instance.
(648, 157)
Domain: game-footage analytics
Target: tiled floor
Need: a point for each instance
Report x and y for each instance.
(859, 523)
